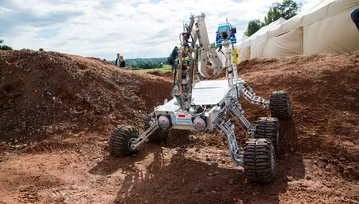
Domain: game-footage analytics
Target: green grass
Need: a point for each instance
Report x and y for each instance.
(165, 69)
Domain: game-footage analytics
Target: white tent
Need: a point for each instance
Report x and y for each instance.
(325, 27)
(253, 46)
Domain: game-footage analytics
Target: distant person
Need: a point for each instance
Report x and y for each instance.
(123, 62)
(174, 56)
(118, 61)
(355, 17)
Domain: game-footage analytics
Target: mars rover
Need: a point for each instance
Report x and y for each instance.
(200, 104)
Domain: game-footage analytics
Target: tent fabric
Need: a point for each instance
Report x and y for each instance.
(253, 46)
(324, 27)
(285, 45)
(244, 53)
(257, 49)
(331, 35)
(262, 34)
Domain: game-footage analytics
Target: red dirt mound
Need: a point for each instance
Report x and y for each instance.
(71, 104)
(324, 93)
(43, 93)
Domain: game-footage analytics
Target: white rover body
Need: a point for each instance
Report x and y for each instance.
(207, 105)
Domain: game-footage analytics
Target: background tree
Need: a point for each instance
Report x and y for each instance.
(4, 47)
(287, 9)
(134, 64)
(253, 26)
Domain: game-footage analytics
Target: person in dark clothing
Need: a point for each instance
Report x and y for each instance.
(174, 56)
(355, 17)
(123, 63)
(118, 60)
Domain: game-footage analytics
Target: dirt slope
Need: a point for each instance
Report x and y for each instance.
(46, 93)
(57, 111)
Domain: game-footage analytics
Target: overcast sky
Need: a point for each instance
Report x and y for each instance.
(102, 28)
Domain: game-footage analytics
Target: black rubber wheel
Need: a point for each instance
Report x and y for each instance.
(279, 105)
(157, 136)
(268, 128)
(120, 140)
(259, 161)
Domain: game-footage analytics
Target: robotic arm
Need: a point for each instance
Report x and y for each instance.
(206, 50)
(195, 53)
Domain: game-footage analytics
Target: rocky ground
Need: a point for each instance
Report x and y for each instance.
(58, 110)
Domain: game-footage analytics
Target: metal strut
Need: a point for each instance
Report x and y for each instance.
(226, 128)
(142, 138)
(238, 113)
(251, 97)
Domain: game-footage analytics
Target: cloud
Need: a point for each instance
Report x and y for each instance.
(101, 28)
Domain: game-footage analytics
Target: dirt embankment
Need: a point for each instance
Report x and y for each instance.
(57, 111)
(47, 93)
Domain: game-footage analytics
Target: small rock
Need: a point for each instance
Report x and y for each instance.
(192, 138)
(308, 178)
(254, 194)
(210, 174)
(331, 168)
(292, 149)
(289, 178)
(208, 159)
(195, 190)
(230, 181)
(214, 191)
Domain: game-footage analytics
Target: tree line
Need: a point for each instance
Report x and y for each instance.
(286, 9)
(146, 63)
(4, 47)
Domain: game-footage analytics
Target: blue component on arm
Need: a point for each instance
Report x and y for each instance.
(225, 34)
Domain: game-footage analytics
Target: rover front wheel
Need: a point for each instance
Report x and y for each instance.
(120, 141)
(279, 105)
(259, 161)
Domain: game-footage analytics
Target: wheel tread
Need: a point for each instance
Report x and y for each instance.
(280, 105)
(119, 140)
(257, 160)
(268, 128)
